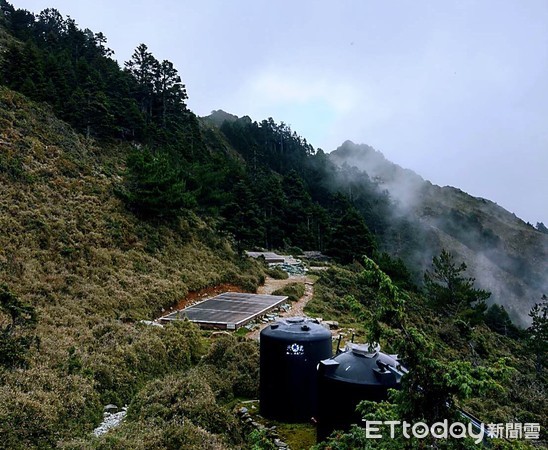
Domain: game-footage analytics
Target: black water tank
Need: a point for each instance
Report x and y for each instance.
(290, 352)
(358, 373)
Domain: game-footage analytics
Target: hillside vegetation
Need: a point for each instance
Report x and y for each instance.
(507, 256)
(117, 201)
(90, 269)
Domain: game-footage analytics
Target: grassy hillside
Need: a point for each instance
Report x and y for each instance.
(131, 202)
(91, 269)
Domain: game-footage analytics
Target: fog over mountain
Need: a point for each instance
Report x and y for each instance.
(456, 91)
(507, 256)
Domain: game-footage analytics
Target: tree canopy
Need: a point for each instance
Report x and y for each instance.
(450, 291)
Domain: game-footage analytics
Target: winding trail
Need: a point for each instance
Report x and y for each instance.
(297, 308)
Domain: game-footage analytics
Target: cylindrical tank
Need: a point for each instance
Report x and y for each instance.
(290, 352)
(360, 372)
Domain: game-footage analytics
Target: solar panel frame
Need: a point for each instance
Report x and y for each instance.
(229, 310)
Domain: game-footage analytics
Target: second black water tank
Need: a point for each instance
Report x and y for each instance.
(358, 373)
(290, 352)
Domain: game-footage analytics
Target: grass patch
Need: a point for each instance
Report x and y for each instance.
(241, 332)
(277, 273)
(293, 290)
(299, 436)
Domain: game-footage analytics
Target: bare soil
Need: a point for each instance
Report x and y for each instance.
(198, 296)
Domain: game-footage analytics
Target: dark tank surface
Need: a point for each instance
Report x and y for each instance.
(358, 373)
(290, 352)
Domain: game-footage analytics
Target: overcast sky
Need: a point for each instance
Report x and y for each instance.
(454, 90)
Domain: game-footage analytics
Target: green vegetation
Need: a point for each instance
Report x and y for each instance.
(299, 436)
(453, 294)
(15, 341)
(189, 408)
(292, 290)
(453, 363)
(91, 270)
(499, 321)
(155, 186)
(537, 334)
(117, 201)
(277, 273)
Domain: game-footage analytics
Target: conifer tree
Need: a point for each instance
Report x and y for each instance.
(450, 292)
(156, 188)
(144, 67)
(538, 333)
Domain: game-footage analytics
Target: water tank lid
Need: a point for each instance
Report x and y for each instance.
(329, 362)
(295, 320)
(367, 350)
(369, 368)
(297, 328)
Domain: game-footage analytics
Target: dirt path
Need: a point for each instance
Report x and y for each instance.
(297, 308)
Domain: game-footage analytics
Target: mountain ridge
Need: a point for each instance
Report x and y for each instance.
(113, 210)
(499, 248)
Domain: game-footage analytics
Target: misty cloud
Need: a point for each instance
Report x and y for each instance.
(506, 257)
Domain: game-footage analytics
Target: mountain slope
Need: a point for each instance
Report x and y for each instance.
(76, 248)
(91, 269)
(507, 256)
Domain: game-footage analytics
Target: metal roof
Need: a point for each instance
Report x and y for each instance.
(269, 257)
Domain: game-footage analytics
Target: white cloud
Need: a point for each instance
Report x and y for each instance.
(275, 88)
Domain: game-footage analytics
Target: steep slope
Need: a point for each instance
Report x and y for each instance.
(91, 269)
(507, 256)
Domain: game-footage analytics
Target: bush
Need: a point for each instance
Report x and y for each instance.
(294, 251)
(293, 290)
(179, 398)
(126, 357)
(277, 273)
(15, 342)
(237, 361)
(37, 407)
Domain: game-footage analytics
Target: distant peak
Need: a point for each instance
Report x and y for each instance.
(351, 149)
(218, 116)
(348, 143)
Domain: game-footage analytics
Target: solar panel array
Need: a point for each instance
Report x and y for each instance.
(229, 310)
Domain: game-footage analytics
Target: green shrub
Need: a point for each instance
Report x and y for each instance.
(125, 356)
(259, 440)
(294, 251)
(37, 407)
(15, 337)
(179, 398)
(238, 361)
(293, 290)
(277, 273)
(13, 167)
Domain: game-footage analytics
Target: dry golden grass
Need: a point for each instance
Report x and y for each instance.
(69, 247)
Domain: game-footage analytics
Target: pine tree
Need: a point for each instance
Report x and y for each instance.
(452, 293)
(537, 333)
(350, 238)
(144, 67)
(156, 188)
(169, 89)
